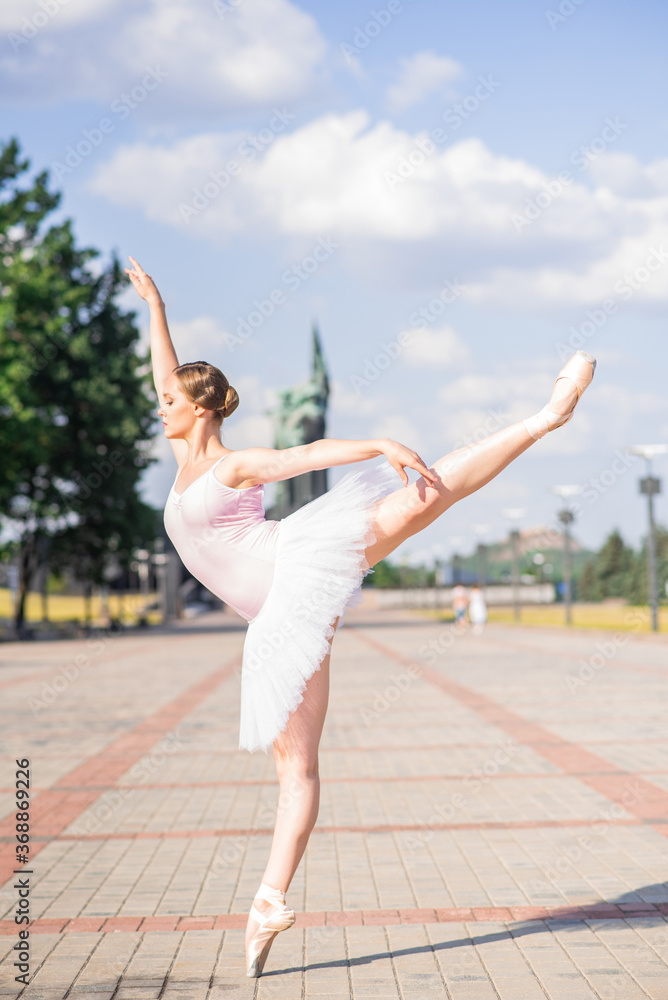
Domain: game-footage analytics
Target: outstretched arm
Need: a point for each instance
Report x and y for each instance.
(163, 355)
(269, 465)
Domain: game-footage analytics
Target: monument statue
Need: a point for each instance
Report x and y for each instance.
(300, 419)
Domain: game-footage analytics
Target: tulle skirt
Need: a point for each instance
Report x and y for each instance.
(319, 568)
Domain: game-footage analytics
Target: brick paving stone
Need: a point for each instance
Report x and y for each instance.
(146, 972)
(601, 968)
(416, 969)
(371, 969)
(229, 979)
(121, 924)
(491, 832)
(41, 947)
(557, 973)
(463, 972)
(504, 964)
(86, 924)
(382, 917)
(194, 965)
(326, 970)
(637, 958)
(104, 970)
(61, 966)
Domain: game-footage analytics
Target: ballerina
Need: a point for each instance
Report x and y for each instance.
(293, 580)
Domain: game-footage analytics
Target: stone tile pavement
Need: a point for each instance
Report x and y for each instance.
(493, 820)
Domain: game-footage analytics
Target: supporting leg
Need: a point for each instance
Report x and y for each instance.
(296, 756)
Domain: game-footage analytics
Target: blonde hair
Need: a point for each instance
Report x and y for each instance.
(206, 386)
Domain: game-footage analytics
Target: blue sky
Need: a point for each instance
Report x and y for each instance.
(543, 199)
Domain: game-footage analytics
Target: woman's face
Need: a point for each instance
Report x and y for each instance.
(177, 412)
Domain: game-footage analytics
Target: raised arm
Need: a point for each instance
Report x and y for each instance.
(269, 465)
(163, 355)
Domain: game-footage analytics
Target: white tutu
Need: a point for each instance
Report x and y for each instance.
(318, 573)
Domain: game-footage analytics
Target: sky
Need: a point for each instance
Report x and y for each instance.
(460, 195)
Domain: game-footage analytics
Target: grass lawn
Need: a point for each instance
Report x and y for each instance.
(65, 607)
(614, 617)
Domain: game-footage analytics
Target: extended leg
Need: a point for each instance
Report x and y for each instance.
(411, 508)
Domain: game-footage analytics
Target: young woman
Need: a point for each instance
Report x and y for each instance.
(293, 579)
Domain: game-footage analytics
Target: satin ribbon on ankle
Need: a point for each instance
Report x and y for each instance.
(275, 896)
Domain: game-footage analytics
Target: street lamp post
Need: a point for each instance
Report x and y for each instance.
(650, 486)
(514, 514)
(481, 555)
(566, 518)
(455, 543)
(160, 562)
(141, 566)
(403, 568)
(481, 564)
(539, 561)
(439, 574)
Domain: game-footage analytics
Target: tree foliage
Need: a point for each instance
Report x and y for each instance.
(75, 416)
(619, 571)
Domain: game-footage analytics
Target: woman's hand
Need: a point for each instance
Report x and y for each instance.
(144, 283)
(399, 457)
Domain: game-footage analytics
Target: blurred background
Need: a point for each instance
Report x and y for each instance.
(458, 196)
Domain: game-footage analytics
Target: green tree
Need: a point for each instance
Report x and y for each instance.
(614, 566)
(589, 587)
(385, 574)
(638, 592)
(75, 421)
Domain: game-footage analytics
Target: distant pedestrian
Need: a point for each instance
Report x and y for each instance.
(477, 609)
(460, 603)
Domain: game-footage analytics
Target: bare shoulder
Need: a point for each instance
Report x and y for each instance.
(240, 468)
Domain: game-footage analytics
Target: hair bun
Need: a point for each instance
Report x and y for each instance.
(206, 385)
(231, 402)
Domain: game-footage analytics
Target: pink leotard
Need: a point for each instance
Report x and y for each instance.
(224, 540)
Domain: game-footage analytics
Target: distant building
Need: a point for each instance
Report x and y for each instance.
(536, 538)
(299, 419)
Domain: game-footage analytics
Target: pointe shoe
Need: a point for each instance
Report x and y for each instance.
(270, 924)
(580, 371)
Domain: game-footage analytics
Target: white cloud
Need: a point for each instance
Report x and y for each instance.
(474, 406)
(623, 175)
(482, 390)
(30, 17)
(421, 74)
(457, 205)
(252, 431)
(435, 348)
(262, 52)
(400, 428)
(349, 403)
(199, 339)
(328, 174)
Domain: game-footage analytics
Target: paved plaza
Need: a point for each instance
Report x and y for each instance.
(493, 822)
